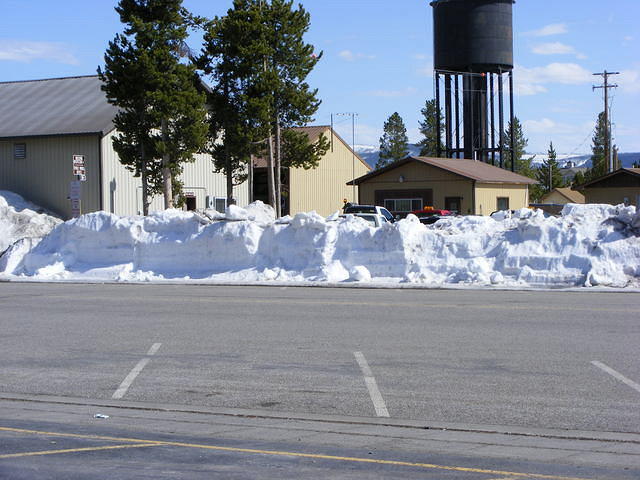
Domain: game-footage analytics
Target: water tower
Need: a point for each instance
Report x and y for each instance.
(473, 53)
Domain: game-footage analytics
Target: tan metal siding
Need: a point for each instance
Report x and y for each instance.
(323, 189)
(43, 176)
(418, 176)
(487, 197)
(122, 192)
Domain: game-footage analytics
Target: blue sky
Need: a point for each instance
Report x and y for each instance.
(378, 59)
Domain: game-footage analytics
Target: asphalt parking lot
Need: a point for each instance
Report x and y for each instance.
(557, 368)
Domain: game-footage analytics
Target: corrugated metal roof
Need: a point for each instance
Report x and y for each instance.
(56, 106)
(479, 171)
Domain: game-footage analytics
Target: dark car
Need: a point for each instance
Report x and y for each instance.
(432, 215)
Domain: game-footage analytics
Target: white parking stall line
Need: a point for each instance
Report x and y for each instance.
(372, 386)
(617, 375)
(126, 383)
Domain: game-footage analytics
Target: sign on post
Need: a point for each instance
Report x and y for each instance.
(79, 169)
(75, 187)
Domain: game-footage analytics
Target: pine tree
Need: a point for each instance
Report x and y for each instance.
(233, 137)
(161, 118)
(578, 180)
(268, 65)
(394, 142)
(429, 130)
(522, 164)
(599, 164)
(548, 175)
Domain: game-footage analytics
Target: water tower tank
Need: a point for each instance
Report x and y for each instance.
(473, 35)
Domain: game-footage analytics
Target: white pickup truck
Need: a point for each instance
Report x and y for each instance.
(353, 208)
(374, 219)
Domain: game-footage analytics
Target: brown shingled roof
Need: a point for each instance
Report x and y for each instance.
(623, 171)
(475, 170)
(313, 132)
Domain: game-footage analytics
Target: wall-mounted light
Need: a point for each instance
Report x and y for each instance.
(401, 179)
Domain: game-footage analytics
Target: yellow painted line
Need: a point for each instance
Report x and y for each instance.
(74, 450)
(515, 475)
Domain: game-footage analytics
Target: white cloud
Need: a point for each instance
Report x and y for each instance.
(420, 56)
(548, 30)
(530, 81)
(349, 56)
(566, 137)
(406, 92)
(26, 51)
(629, 81)
(426, 71)
(554, 48)
(528, 89)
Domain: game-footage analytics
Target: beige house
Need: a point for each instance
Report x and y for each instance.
(45, 123)
(323, 188)
(562, 196)
(465, 186)
(621, 186)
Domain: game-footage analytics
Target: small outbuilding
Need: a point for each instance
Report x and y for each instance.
(621, 186)
(464, 186)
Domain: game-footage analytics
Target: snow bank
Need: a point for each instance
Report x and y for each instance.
(587, 245)
(21, 219)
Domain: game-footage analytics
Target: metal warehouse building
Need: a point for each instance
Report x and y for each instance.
(45, 123)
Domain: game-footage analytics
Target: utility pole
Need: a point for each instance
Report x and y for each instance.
(353, 115)
(608, 149)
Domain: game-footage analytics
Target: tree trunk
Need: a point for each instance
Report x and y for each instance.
(229, 175)
(277, 174)
(270, 176)
(145, 182)
(227, 155)
(167, 186)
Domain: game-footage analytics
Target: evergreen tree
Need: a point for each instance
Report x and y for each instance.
(429, 130)
(233, 137)
(548, 175)
(394, 142)
(578, 180)
(161, 111)
(522, 164)
(268, 63)
(298, 152)
(599, 162)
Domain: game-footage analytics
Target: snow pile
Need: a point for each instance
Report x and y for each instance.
(20, 219)
(587, 245)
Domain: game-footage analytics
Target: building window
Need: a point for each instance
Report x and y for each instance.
(221, 204)
(503, 203)
(403, 205)
(453, 203)
(19, 151)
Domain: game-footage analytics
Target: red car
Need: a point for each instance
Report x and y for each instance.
(431, 215)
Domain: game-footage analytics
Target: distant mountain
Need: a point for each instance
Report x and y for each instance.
(627, 159)
(371, 154)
